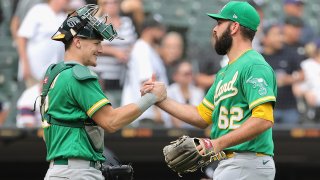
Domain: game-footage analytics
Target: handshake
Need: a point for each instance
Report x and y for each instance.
(156, 88)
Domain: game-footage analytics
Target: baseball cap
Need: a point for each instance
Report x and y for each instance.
(241, 12)
(293, 2)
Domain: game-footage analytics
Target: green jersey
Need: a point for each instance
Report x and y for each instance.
(72, 99)
(239, 87)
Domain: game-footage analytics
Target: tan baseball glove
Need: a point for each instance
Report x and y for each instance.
(182, 155)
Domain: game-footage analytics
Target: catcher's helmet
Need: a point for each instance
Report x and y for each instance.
(83, 23)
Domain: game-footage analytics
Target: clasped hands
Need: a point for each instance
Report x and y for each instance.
(155, 87)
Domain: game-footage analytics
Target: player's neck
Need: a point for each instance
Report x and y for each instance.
(72, 57)
(237, 49)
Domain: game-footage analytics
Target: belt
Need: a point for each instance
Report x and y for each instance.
(231, 154)
(65, 161)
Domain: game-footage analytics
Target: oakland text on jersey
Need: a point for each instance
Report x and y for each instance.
(225, 90)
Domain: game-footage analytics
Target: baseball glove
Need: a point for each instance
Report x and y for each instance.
(182, 155)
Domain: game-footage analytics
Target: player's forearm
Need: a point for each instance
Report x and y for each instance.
(114, 119)
(184, 112)
(248, 131)
(122, 116)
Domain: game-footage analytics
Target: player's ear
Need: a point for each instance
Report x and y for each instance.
(76, 42)
(234, 27)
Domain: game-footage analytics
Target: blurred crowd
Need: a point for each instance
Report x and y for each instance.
(149, 46)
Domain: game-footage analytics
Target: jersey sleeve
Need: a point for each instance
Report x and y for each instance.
(206, 107)
(88, 95)
(264, 111)
(259, 85)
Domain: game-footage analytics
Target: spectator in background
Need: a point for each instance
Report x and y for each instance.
(27, 117)
(295, 8)
(288, 72)
(111, 65)
(23, 7)
(184, 91)
(171, 52)
(310, 88)
(292, 30)
(144, 61)
(36, 49)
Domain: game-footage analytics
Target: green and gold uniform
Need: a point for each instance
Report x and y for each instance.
(241, 86)
(74, 95)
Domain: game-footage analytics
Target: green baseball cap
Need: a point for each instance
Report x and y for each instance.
(241, 12)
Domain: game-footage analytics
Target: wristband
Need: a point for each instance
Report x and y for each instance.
(146, 101)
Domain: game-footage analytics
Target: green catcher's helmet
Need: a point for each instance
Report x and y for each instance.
(83, 23)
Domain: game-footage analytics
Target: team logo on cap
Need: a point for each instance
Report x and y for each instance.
(73, 21)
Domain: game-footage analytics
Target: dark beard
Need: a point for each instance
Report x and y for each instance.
(223, 44)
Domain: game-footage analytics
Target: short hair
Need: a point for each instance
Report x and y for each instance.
(247, 33)
(179, 64)
(268, 27)
(153, 21)
(67, 44)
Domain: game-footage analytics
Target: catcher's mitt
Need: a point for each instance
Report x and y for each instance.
(182, 155)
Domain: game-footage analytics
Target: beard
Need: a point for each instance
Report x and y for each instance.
(223, 44)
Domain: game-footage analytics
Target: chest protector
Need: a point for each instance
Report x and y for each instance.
(95, 133)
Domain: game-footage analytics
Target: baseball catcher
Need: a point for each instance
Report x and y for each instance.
(188, 154)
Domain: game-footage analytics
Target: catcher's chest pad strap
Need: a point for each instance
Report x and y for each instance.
(51, 73)
(83, 73)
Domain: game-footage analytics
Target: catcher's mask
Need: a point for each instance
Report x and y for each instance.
(83, 23)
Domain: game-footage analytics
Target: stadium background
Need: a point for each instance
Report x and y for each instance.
(22, 151)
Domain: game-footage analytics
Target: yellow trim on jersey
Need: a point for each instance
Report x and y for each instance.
(96, 106)
(264, 111)
(205, 113)
(208, 104)
(264, 99)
